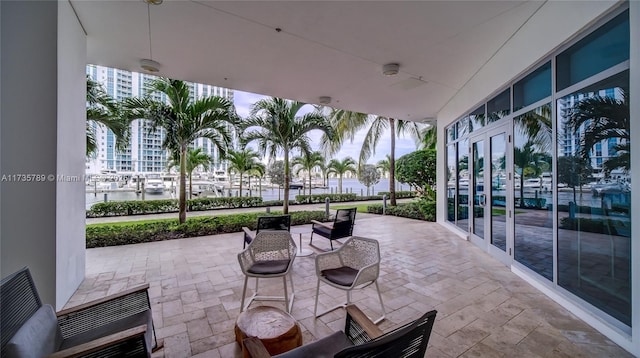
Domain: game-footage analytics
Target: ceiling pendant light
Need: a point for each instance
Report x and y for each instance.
(148, 64)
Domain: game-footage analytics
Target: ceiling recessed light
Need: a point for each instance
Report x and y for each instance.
(149, 65)
(324, 99)
(390, 69)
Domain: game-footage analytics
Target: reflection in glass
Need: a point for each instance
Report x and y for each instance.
(498, 194)
(463, 127)
(533, 88)
(462, 211)
(479, 197)
(499, 106)
(605, 47)
(533, 185)
(477, 119)
(451, 182)
(451, 133)
(594, 225)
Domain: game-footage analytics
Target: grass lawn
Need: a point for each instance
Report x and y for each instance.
(362, 208)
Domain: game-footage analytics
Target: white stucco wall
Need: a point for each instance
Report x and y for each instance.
(71, 143)
(42, 133)
(29, 122)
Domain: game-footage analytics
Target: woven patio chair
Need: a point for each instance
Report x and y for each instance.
(342, 226)
(269, 255)
(361, 338)
(267, 223)
(355, 265)
(120, 325)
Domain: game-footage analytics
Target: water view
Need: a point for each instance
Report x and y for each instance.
(268, 193)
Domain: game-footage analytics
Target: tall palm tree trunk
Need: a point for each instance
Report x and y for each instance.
(240, 193)
(285, 204)
(190, 186)
(182, 204)
(392, 163)
(340, 184)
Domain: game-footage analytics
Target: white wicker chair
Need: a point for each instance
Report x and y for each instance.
(270, 254)
(356, 264)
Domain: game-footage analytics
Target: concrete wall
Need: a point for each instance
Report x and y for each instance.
(41, 99)
(71, 144)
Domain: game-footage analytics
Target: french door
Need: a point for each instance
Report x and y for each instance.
(490, 195)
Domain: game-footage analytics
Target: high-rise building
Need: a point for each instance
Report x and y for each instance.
(144, 152)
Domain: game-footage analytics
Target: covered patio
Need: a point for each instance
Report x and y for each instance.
(484, 310)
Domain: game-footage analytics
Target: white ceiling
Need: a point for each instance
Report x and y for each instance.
(324, 48)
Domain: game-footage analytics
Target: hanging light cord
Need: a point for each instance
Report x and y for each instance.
(149, 26)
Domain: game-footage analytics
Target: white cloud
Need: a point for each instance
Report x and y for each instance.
(244, 100)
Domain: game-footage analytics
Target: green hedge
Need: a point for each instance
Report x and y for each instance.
(139, 207)
(399, 194)
(100, 235)
(319, 198)
(421, 210)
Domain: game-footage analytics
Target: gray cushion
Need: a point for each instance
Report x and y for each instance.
(322, 348)
(343, 276)
(269, 267)
(38, 337)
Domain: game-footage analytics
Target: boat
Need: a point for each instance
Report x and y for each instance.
(153, 184)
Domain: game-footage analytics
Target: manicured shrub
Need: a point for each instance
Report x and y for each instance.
(140, 207)
(399, 194)
(423, 209)
(100, 235)
(319, 198)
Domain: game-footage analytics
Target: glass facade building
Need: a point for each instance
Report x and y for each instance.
(539, 174)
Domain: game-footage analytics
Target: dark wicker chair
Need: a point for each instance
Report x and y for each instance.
(116, 326)
(361, 338)
(342, 226)
(265, 223)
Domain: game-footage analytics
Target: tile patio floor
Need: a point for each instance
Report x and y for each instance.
(484, 310)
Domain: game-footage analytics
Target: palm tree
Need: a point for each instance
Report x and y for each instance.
(347, 123)
(258, 169)
(102, 109)
(306, 162)
(243, 161)
(603, 118)
(384, 165)
(195, 158)
(184, 120)
(278, 126)
(429, 137)
(341, 167)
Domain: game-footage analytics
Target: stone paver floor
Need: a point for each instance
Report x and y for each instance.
(484, 310)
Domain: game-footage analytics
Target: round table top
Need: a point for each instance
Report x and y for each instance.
(265, 322)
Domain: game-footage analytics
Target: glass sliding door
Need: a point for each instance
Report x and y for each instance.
(490, 192)
(477, 188)
(498, 202)
(462, 208)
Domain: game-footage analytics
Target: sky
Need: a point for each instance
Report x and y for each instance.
(244, 100)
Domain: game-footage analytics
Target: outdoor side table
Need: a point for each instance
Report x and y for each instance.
(278, 330)
(301, 231)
